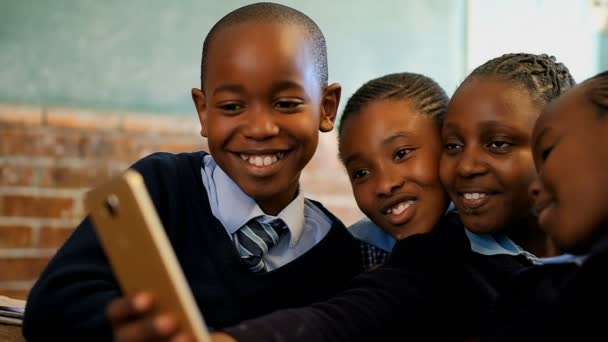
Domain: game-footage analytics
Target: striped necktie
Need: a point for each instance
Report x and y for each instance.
(254, 239)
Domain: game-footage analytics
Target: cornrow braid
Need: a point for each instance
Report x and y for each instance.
(424, 93)
(597, 92)
(543, 77)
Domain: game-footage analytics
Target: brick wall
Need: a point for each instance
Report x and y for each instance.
(50, 156)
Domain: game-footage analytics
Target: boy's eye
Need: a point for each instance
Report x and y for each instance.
(287, 105)
(231, 107)
(402, 153)
(360, 173)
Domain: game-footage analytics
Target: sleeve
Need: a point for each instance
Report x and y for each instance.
(69, 300)
(406, 296)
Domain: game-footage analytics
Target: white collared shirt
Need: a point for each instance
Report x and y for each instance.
(307, 224)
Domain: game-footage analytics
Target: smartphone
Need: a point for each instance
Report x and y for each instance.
(138, 249)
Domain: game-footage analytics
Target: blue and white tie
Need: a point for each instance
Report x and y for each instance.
(254, 239)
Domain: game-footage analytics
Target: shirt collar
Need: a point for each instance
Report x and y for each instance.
(495, 244)
(235, 208)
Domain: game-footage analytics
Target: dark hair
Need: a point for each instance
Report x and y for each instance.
(424, 93)
(266, 12)
(597, 92)
(543, 77)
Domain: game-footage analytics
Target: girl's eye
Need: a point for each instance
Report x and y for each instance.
(452, 146)
(402, 153)
(360, 173)
(500, 144)
(545, 153)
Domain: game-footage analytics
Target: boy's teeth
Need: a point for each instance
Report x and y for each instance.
(262, 160)
(474, 195)
(399, 208)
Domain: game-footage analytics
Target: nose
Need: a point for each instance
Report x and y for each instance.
(470, 163)
(261, 124)
(389, 180)
(534, 189)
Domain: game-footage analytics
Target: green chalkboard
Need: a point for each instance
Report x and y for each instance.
(144, 54)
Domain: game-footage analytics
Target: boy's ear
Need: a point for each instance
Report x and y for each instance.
(329, 106)
(201, 107)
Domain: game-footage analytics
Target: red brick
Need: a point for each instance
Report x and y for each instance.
(25, 268)
(82, 119)
(29, 206)
(51, 237)
(16, 175)
(161, 124)
(76, 177)
(15, 236)
(15, 293)
(22, 115)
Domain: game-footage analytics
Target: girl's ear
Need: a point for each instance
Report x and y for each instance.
(329, 107)
(201, 108)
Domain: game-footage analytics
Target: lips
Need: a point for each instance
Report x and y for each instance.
(542, 209)
(262, 163)
(474, 198)
(399, 209)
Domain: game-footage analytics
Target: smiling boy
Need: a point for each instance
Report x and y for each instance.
(248, 241)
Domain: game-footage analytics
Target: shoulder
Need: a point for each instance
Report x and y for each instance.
(314, 210)
(164, 161)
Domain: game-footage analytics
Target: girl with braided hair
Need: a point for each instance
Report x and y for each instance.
(487, 165)
(558, 302)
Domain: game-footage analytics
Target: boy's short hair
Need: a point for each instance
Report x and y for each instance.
(266, 12)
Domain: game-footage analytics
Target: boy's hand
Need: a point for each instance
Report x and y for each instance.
(135, 319)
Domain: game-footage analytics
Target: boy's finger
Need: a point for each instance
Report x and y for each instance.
(153, 328)
(124, 309)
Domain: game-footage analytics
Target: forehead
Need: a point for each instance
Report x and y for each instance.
(492, 100)
(259, 50)
(383, 118)
(567, 110)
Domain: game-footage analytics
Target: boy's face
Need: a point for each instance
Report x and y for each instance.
(487, 164)
(262, 108)
(569, 151)
(392, 156)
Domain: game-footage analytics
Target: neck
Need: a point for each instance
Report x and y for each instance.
(275, 204)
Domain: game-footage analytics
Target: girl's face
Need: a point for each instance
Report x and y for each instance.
(391, 154)
(487, 164)
(570, 196)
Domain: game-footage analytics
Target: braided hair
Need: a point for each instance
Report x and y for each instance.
(543, 77)
(266, 12)
(429, 99)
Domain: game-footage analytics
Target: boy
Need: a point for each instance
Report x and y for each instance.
(263, 99)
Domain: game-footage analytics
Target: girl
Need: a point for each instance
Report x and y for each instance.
(556, 302)
(390, 144)
(487, 163)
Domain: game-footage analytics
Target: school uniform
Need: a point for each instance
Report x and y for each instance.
(200, 208)
(434, 287)
(560, 301)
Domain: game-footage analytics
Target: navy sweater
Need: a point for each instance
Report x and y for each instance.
(68, 301)
(432, 288)
(560, 302)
